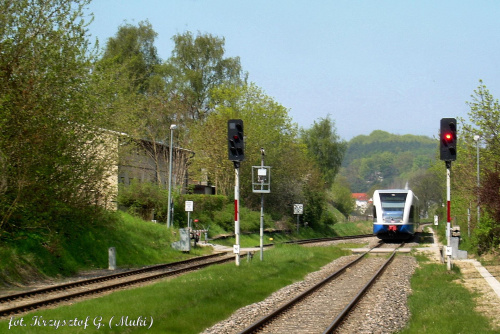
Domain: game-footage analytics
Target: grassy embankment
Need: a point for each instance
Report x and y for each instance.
(34, 256)
(439, 305)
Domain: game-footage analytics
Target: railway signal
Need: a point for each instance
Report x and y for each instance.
(235, 139)
(236, 153)
(448, 139)
(448, 149)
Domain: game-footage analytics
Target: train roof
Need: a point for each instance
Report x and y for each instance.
(393, 190)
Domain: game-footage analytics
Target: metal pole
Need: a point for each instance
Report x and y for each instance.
(237, 210)
(169, 210)
(448, 205)
(477, 151)
(468, 220)
(262, 211)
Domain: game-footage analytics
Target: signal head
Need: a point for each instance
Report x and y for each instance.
(448, 142)
(235, 138)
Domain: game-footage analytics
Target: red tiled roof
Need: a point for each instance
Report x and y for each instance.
(360, 196)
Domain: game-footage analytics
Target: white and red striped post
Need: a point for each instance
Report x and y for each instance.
(448, 213)
(237, 212)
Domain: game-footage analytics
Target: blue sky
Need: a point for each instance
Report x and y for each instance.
(398, 66)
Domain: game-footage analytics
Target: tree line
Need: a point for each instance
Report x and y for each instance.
(60, 95)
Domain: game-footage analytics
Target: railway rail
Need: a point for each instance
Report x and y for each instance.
(34, 299)
(324, 306)
(14, 304)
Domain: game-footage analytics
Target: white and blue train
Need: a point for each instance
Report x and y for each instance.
(395, 214)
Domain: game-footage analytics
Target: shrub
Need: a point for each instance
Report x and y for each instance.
(141, 199)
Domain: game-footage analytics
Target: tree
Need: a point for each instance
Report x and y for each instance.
(139, 93)
(133, 47)
(484, 120)
(267, 125)
(198, 66)
(51, 149)
(325, 147)
(341, 198)
(428, 186)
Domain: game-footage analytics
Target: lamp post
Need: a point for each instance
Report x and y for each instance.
(172, 128)
(476, 139)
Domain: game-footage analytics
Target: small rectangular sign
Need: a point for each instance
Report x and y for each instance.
(236, 249)
(298, 209)
(189, 206)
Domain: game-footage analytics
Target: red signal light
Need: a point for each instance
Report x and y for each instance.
(448, 136)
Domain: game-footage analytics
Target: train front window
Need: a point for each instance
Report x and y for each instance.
(393, 205)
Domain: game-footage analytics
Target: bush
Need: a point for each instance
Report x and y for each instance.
(141, 199)
(486, 235)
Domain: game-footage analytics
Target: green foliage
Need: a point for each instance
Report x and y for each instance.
(429, 185)
(267, 125)
(385, 160)
(249, 220)
(484, 121)
(51, 157)
(29, 255)
(340, 196)
(198, 66)
(144, 199)
(133, 48)
(486, 236)
(325, 148)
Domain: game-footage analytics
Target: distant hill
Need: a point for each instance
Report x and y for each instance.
(383, 160)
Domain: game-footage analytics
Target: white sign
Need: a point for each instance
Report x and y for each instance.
(236, 249)
(436, 220)
(189, 206)
(449, 251)
(298, 209)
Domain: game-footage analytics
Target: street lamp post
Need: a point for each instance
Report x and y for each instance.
(172, 128)
(476, 139)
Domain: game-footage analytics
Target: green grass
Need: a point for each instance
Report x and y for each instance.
(192, 302)
(440, 305)
(137, 243)
(353, 228)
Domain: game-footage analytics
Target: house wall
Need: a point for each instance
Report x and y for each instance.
(144, 161)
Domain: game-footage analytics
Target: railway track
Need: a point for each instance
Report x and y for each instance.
(18, 303)
(309, 241)
(323, 307)
(35, 299)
